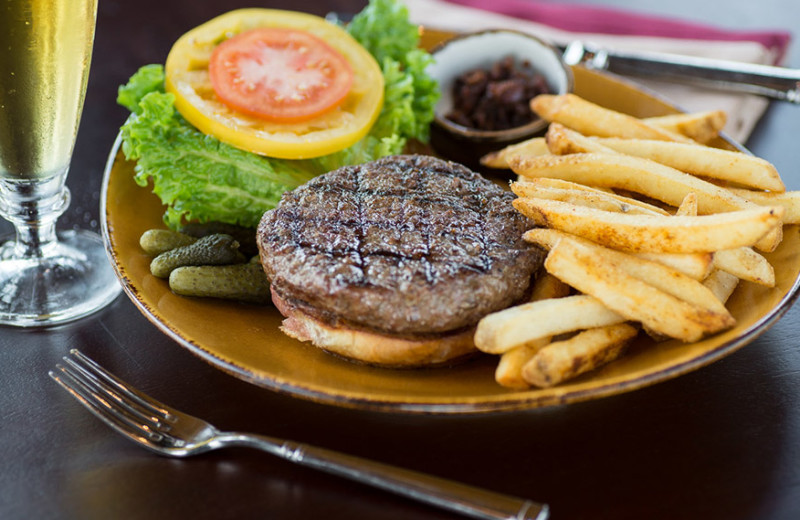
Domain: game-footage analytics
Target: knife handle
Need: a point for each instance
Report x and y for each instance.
(764, 80)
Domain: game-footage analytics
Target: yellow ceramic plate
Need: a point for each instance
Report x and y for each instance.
(245, 341)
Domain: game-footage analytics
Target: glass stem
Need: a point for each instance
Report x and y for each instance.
(33, 206)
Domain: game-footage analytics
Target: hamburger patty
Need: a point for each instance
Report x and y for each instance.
(407, 245)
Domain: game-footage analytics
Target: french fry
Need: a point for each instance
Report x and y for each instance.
(666, 279)
(530, 147)
(596, 275)
(581, 353)
(641, 176)
(660, 276)
(746, 264)
(547, 286)
(501, 331)
(654, 234)
(633, 174)
(694, 265)
(702, 127)
(509, 369)
(790, 200)
(688, 207)
(589, 199)
(563, 141)
(722, 284)
(565, 191)
(704, 161)
(590, 119)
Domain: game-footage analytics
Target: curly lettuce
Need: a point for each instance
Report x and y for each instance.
(201, 179)
(383, 28)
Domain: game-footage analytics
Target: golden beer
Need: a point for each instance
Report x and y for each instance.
(45, 50)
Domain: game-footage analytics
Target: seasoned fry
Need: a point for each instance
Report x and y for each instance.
(704, 161)
(590, 119)
(509, 368)
(702, 127)
(563, 141)
(722, 284)
(665, 278)
(790, 201)
(589, 199)
(746, 264)
(501, 331)
(688, 207)
(594, 274)
(547, 286)
(565, 191)
(641, 176)
(694, 265)
(633, 174)
(581, 353)
(655, 234)
(549, 237)
(530, 148)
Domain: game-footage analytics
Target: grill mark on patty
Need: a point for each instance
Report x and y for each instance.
(430, 270)
(483, 261)
(359, 230)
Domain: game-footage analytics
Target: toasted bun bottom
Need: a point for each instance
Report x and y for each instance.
(371, 347)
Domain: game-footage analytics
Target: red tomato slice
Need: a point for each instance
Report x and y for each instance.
(281, 75)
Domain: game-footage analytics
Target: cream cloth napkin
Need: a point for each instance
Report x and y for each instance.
(743, 110)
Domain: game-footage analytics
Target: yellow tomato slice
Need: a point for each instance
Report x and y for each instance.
(188, 79)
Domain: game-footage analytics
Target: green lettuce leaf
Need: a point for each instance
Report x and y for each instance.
(196, 176)
(202, 179)
(149, 78)
(383, 28)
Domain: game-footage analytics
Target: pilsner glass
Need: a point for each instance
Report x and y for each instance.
(46, 277)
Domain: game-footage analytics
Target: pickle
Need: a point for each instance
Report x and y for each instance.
(210, 250)
(157, 241)
(241, 282)
(244, 235)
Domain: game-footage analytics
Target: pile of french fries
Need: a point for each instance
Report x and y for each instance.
(647, 230)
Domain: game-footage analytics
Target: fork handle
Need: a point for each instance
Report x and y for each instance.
(443, 493)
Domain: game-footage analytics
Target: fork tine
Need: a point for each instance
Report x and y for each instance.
(89, 367)
(110, 396)
(101, 408)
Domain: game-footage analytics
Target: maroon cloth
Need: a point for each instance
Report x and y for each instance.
(604, 20)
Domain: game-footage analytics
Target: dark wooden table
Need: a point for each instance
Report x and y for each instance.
(721, 442)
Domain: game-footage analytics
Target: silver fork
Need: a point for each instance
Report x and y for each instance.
(170, 432)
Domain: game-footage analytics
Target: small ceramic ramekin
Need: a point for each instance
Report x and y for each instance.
(481, 50)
